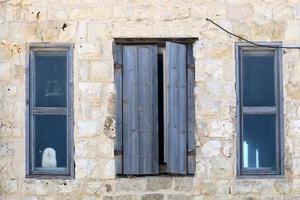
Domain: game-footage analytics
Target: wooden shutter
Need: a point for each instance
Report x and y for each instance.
(176, 108)
(140, 127)
(191, 109)
(118, 86)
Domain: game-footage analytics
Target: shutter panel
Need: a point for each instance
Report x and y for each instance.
(176, 108)
(191, 110)
(140, 127)
(118, 87)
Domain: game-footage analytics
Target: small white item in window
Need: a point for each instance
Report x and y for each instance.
(49, 158)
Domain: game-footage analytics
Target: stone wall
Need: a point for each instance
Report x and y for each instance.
(91, 25)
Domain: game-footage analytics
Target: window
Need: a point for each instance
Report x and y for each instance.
(260, 112)
(49, 111)
(155, 108)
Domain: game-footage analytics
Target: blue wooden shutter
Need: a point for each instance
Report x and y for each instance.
(191, 109)
(118, 86)
(140, 127)
(176, 108)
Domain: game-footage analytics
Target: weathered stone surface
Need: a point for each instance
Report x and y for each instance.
(183, 183)
(131, 184)
(158, 183)
(91, 26)
(211, 148)
(153, 197)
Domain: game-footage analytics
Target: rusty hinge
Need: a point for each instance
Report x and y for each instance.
(118, 152)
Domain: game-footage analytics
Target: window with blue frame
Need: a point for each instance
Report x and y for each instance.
(260, 135)
(49, 111)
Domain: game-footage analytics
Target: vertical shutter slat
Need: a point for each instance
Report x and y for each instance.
(139, 129)
(176, 112)
(191, 110)
(118, 87)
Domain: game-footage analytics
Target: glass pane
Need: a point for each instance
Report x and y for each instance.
(258, 79)
(50, 79)
(50, 141)
(259, 141)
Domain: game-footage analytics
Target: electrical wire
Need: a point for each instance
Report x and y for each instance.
(253, 43)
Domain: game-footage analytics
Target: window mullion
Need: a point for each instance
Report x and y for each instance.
(259, 110)
(50, 110)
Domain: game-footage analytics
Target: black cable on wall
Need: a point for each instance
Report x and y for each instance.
(250, 42)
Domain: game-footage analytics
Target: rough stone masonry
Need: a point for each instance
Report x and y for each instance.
(91, 25)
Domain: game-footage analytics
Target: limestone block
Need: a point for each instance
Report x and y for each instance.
(6, 148)
(99, 12)
(133, 29)
(222, 167)
(296, 12)
(84, 70)
(85, 148)
(89, 50)
(5, 71)
(153, 197)
(211, 148)
(101, 71)
(291, 33)
(87, 168)
(179, 197)
(38, 187)
(183, 183)
(223, 129)
(242, 187)
(206, 187)
(126, 197)
(294, 127)
(48, 31)
(219, 10)
(67, 31)
(104, 148)
(56, 13)
(220, 50)
(88, 128)
(241, 28)
(209, 70)
(208, 106)
(296, 166)
(90, 89)
(10, 90)
(282, 11)
(98, 31)
(227, 148)
(158, 183)
(8, 186)
(131, 184)
(240, 11)
(93, 188)
(69, 187)
(293, 90)
(282, 187)
(81, 33)
(107, 168)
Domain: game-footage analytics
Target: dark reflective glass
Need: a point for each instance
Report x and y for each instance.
(50, 79)
(259, 141)
(50, 141)
(258, 79)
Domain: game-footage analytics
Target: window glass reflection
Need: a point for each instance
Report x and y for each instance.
(50, 141)
(50, 79)
(259, 141)
(258, 79)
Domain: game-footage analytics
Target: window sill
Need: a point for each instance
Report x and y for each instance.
(44, 176)
(154, 175)
(261, 176)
